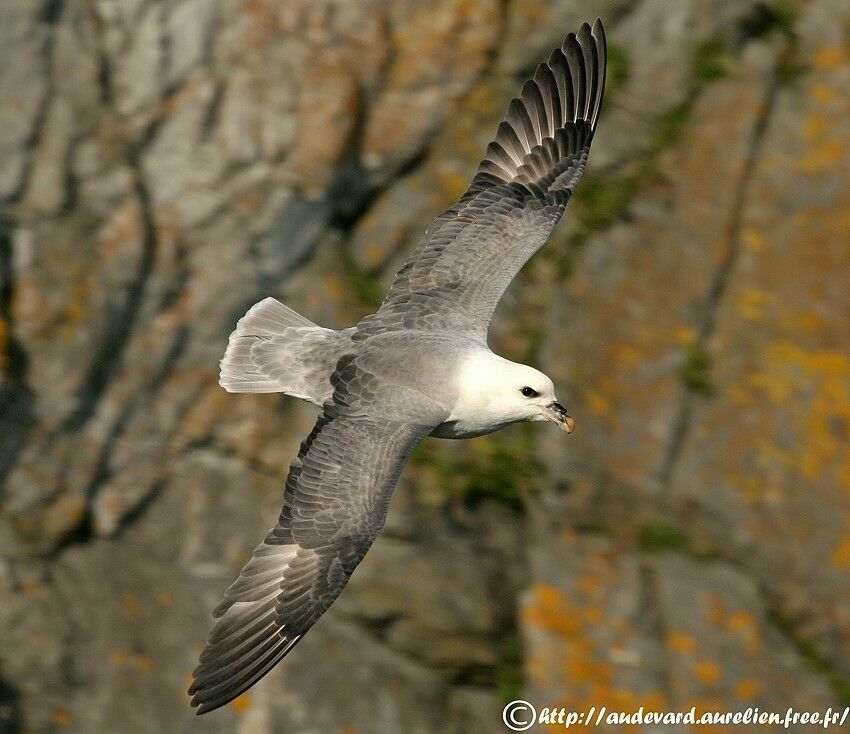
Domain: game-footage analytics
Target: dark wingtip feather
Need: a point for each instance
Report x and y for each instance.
(250, 635)
(598, 33)
(566, 92)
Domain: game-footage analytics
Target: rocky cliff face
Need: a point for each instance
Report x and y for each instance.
(165, 164)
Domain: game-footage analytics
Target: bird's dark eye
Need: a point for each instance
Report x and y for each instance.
(529, 392)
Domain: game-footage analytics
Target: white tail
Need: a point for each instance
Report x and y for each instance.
(268, 318)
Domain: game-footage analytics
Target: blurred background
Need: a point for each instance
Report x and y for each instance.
(166, 163)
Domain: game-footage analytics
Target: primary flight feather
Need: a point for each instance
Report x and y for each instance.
(418, 366)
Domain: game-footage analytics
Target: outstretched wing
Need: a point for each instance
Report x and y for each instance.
(335, 503)
(470, 254)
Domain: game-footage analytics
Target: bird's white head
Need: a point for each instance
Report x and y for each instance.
(495, 392)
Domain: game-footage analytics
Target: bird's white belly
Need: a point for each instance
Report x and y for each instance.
(466, 429)
(477, 409)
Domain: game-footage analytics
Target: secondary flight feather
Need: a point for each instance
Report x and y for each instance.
(418, 366)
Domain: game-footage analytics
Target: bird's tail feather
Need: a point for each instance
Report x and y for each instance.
(264, 320)
(269, 317)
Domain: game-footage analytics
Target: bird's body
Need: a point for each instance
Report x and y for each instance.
(458, 371)
(419, 366)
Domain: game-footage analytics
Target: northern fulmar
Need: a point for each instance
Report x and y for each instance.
(419, 366)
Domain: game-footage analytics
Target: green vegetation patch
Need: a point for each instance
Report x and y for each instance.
(619, 67)
(509, 676)
(670, 127)
(789, 67)
(809, 652)
(657, 536)
(766, 18)
(696, 369)
(497, 467)
(712, 60)
(365, 287)
(600, 201)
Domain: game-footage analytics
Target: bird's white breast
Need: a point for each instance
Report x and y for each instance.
(479, 407)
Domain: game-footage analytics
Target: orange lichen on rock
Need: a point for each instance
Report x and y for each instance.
(753, 303)
(597, 402)
(453, 182)
(264, 20)
(130, 606)
(707, 671)
(821, 421)
(64, 514)
(840, 557)
(716, 609)
(686, 335)
(141, 662)
(823, 93)
(164, 598)
(241, 704)
(829, 58)
(745, 625)
(805, 321)
(753, 239)
(814, 126)
(4, 343)
(747, 689)
(826, 155)
(62, 717)
(551, 611)
(574, 663)
(681, 642)
(334, 286)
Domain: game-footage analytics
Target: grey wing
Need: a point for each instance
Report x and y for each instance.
(335, 503)
(470, 254)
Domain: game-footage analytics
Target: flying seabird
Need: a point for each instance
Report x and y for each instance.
(418, 366)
